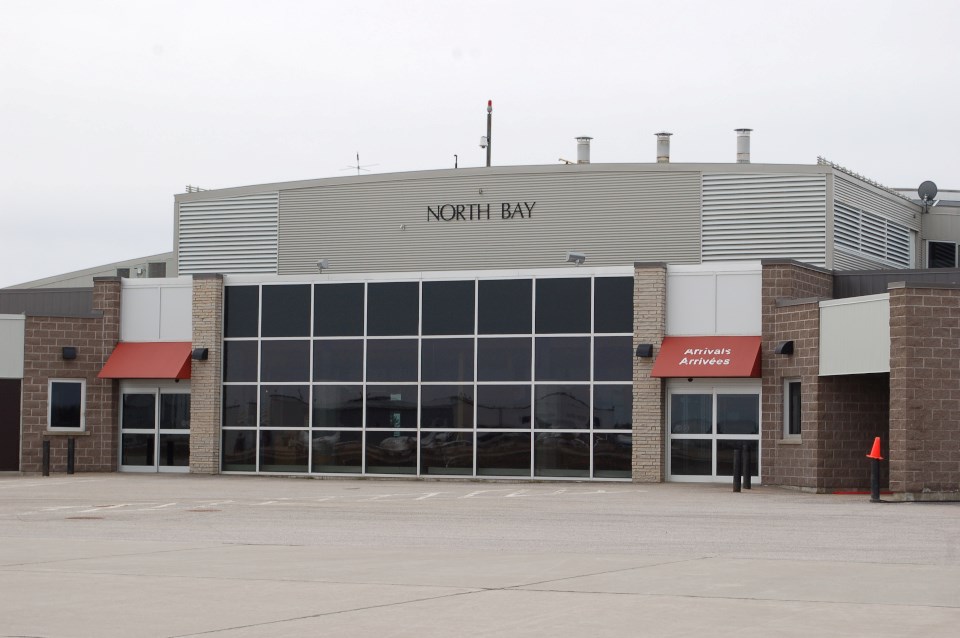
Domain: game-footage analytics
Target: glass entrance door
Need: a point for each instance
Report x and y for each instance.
(155, 429)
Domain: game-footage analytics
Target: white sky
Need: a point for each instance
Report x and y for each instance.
(107, 109)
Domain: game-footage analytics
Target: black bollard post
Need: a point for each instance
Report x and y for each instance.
(737, 469)
(875, 481)
(747, 471)
(46, 458)
(71, 452)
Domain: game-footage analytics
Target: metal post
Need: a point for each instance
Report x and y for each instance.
(71, 452)
(737, 469)
(46, 458)
(875, 480)
(489, 129)
(747, 472)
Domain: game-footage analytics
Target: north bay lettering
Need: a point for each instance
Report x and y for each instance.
(470, 212)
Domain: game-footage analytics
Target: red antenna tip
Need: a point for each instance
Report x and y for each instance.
(489, 102)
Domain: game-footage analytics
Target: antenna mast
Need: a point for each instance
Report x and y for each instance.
(489, 129)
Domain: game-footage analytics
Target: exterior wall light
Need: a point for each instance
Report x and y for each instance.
(784, 348)
(69, 353)
(645, 350)
(200, 354)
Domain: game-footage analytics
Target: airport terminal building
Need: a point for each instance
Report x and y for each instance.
(605, 322)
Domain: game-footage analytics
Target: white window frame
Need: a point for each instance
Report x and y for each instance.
(787, 382)
(83, 405)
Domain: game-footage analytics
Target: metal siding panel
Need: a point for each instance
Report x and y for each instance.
(233, 235)
(887, 205)
(615, 218)
(855, 337)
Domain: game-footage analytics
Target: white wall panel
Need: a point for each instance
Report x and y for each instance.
(156, 309)
(11, 346)
(719, 298)
(855, 335)
(176, 313)
(739, 303)
(140, 314)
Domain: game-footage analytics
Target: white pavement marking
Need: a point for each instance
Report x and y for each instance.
(478, 492)
(104, 507)
(427, 495)
(154, 508)
(516, 494)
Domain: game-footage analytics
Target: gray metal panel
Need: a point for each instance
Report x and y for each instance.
(70, 302)
(857, 284)
(846, 260)
(615, 217)
(855, 193)
(760, 216)
(233, 235)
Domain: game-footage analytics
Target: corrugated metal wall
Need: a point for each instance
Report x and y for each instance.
(615, 217)
(873, 229)
(235, 235)
(759, 216)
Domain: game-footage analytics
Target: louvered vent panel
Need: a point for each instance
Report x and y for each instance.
(235, 235)
(866, 240)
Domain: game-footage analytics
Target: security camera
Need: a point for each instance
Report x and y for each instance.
(576, 258)
(323, 263)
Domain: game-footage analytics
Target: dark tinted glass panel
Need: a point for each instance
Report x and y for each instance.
(284, 361)
(338, 310)
(241, 311)
(392, 452)
(446, 406)
(942, 254)
(139, 411)
(446, 359)
(504, 359)
(66, 400)
(391, 360)
(506, 307)
(611, 455)
(283, 450)
(563, 359)
(174, 411)
(137, 449)
(690, 457)
(392, 406)
(613, 359)
(286, 311)
(239, 360)
(725, 456)
(284, 406)
(691, 414)
(174, 450)
(340, 360)
(393, 308)
(566, 454)
(503, 406)
(563, 305)
(503, 454)
(613, 304)
(239, 450)
(612, 407)
(562, 407)
(337, 406)
(738, 414)
(338, 451)
(446, 453)
(448, 307)
(793, 408)
(239, 406)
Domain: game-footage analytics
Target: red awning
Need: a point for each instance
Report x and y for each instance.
(154, 360)
(708, 357)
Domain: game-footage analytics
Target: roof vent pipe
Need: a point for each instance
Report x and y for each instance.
(663, 148)
(583, 150)
(743, 145)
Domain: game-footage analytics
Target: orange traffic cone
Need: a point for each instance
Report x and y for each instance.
(875, 452)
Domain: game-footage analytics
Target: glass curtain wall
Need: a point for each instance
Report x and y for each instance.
(526, 377)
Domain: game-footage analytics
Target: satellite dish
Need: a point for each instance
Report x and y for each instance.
(927, 191)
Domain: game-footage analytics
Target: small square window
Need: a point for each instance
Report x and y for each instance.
(941, 254)
(791, 408)
(66, 404)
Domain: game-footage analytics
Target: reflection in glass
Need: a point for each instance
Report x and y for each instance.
(139, 411)
(563, 359)
(239, 361)
(503, 406)
(446, 453)
(392, 360)
(239, 406)
(174, 411)
(392, 452)
(137, 450)
(286, 311)
(393, 308)
(503, 454)
(174, 450)
(738, 414)
(338, 451)
(241, 311)
(284, 361)
(283, 450)
(338, 310)
(239, 450)
(392, 406)
(446, 359)
(561, 454)
(448, 307)
(337, 406)
(613, 304)
(725, 450)
(691, 413)
(691, 457)
(284, 406)
(506, 306)
(504, 358)
(562, 407)
(563, 305)
(66, 401)
(612, 407)
(338, 360)
(613, 359)
(446, 406)
(612, 455)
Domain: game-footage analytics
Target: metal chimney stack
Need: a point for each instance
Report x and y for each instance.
(743, 145)
(663, 148)
(583, 150)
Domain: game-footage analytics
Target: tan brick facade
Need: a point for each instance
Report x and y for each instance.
(205, 387)
(649, 324)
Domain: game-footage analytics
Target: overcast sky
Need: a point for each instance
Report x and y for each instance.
(107, 109)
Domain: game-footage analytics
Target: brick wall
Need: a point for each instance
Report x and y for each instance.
(854, 410)
(94, 338)
(205, 376)
(649, 323)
